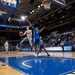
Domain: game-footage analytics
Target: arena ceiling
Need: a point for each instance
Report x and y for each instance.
(25, 8)
(56, 17)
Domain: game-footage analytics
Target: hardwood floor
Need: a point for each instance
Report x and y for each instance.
(54, 54)
(6, 70)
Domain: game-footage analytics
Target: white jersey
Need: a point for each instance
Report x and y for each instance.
(29, 34)
(6, 45)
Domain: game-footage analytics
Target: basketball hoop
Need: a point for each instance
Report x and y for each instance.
(46, 4)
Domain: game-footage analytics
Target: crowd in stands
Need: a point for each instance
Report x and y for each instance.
(67, 38)
(52, 40)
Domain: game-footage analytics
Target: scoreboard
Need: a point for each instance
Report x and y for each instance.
(7, 7)
(11, 3)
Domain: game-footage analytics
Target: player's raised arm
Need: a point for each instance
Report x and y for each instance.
(29, 22)
(42, 29)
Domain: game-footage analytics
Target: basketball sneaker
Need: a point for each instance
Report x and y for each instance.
(39, 54)
(35, 54)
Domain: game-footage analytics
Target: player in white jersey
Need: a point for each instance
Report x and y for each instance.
(6, 45)
(28, 32)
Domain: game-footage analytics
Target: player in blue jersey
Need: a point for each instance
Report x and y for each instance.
(42, 46)
(36, 38)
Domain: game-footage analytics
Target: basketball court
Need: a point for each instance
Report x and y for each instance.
(25, 62)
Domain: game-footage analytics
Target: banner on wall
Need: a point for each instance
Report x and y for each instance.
(66, 48)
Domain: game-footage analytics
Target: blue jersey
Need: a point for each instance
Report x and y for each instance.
(41, 43)
(36, 33)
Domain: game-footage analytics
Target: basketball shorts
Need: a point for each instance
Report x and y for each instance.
(37, 41)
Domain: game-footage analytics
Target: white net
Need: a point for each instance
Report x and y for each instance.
(46, 4)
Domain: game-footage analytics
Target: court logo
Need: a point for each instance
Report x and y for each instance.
(72, 72)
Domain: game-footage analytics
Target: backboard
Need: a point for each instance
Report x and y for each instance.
(59, 2)
(7, 7)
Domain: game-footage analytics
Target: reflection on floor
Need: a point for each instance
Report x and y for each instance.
(25, 63)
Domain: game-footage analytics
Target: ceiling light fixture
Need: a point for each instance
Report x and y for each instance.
(32, 10)
(24, 17)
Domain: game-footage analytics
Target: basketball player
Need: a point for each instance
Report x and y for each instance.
(37, 41)
(6, 46)
(28, 32)
(42, 46)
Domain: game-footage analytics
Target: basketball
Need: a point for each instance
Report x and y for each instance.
(20, 33)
